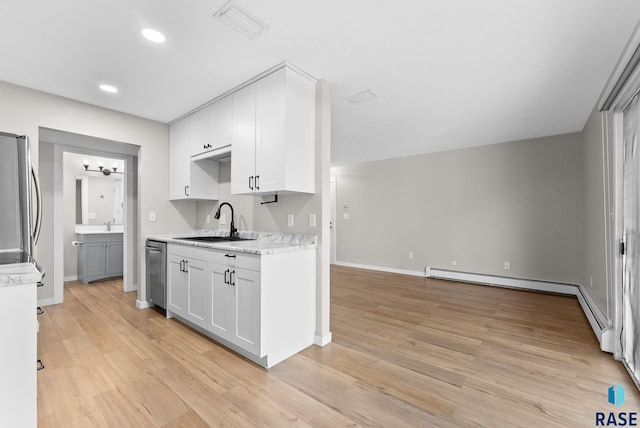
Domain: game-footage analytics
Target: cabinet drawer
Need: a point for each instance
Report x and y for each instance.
(238, 260)
(187, 251)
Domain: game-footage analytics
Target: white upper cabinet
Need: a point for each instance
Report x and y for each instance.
(273, 148)
(188, 179)
(212, 127)
(268, 126)
(243, 149)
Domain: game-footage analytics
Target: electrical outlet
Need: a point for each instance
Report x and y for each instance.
(152, 216)
(411, 254)
(222, 219)
(208, 218)
(312, 220)
(92, 216)
(345, 216)
(345, 206)
(290, 220)
(507, 265)
(591, 281)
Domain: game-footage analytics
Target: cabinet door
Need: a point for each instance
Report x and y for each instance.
(247, 317)
(18, 388)
(94, 259)
(114, 258)
(222, 123)
(243, 158)
(200, 131)
(179, 159)
(220, 301)
(270, 132)
(176, 285)
(197, 292)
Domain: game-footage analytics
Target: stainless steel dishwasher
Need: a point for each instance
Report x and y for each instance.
(156, 262)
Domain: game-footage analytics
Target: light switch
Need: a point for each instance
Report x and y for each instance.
(152, 216)
(290, 220)
(312, 220)
(92, 216)
(345, 216)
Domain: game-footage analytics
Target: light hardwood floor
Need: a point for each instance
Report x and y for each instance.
(406, 351)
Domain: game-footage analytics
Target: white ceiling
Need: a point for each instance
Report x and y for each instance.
(448, 73)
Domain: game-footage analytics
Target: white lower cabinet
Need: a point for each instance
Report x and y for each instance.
(18, 336)
(186, 288)
(235, 304)
(260, 306)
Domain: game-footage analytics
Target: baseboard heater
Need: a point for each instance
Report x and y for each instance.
(597, 319)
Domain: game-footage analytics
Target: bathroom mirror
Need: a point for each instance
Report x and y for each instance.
(99, 199)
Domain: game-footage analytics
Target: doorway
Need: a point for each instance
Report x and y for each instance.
(65, 142)
(93, 203)
(332, 222)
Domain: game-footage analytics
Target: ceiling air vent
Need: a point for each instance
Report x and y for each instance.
(240, 20)
(361, 97)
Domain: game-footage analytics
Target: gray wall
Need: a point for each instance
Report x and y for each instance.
(519, 202)
(25, 111)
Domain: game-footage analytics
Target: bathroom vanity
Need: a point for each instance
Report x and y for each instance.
(99, 255)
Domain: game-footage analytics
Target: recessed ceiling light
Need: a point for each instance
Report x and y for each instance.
(240, 20)
(361, 97)
(154, 36)
(109, 88)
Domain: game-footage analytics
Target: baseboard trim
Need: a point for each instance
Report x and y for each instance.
(71, 278)
(597, 320)
(503, 281)
(322, 340)
(143, 304)
(381, 268)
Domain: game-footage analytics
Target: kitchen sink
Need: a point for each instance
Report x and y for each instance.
(214, 239)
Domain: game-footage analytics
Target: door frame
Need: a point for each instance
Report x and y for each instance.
(76, 143)
(332, 217)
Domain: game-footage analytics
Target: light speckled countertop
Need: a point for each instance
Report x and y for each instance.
(19, 274)
(263, 243)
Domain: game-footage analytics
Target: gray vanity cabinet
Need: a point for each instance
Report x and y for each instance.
(99, 256)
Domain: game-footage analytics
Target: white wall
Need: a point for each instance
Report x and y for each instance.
(23, 111)
(519, 202)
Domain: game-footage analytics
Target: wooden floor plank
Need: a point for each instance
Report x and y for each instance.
(406, 351)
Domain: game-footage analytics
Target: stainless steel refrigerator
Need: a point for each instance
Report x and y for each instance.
(20, 221)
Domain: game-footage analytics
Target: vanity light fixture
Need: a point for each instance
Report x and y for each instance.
(154, 36)
(240, 20)
(101, 168)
